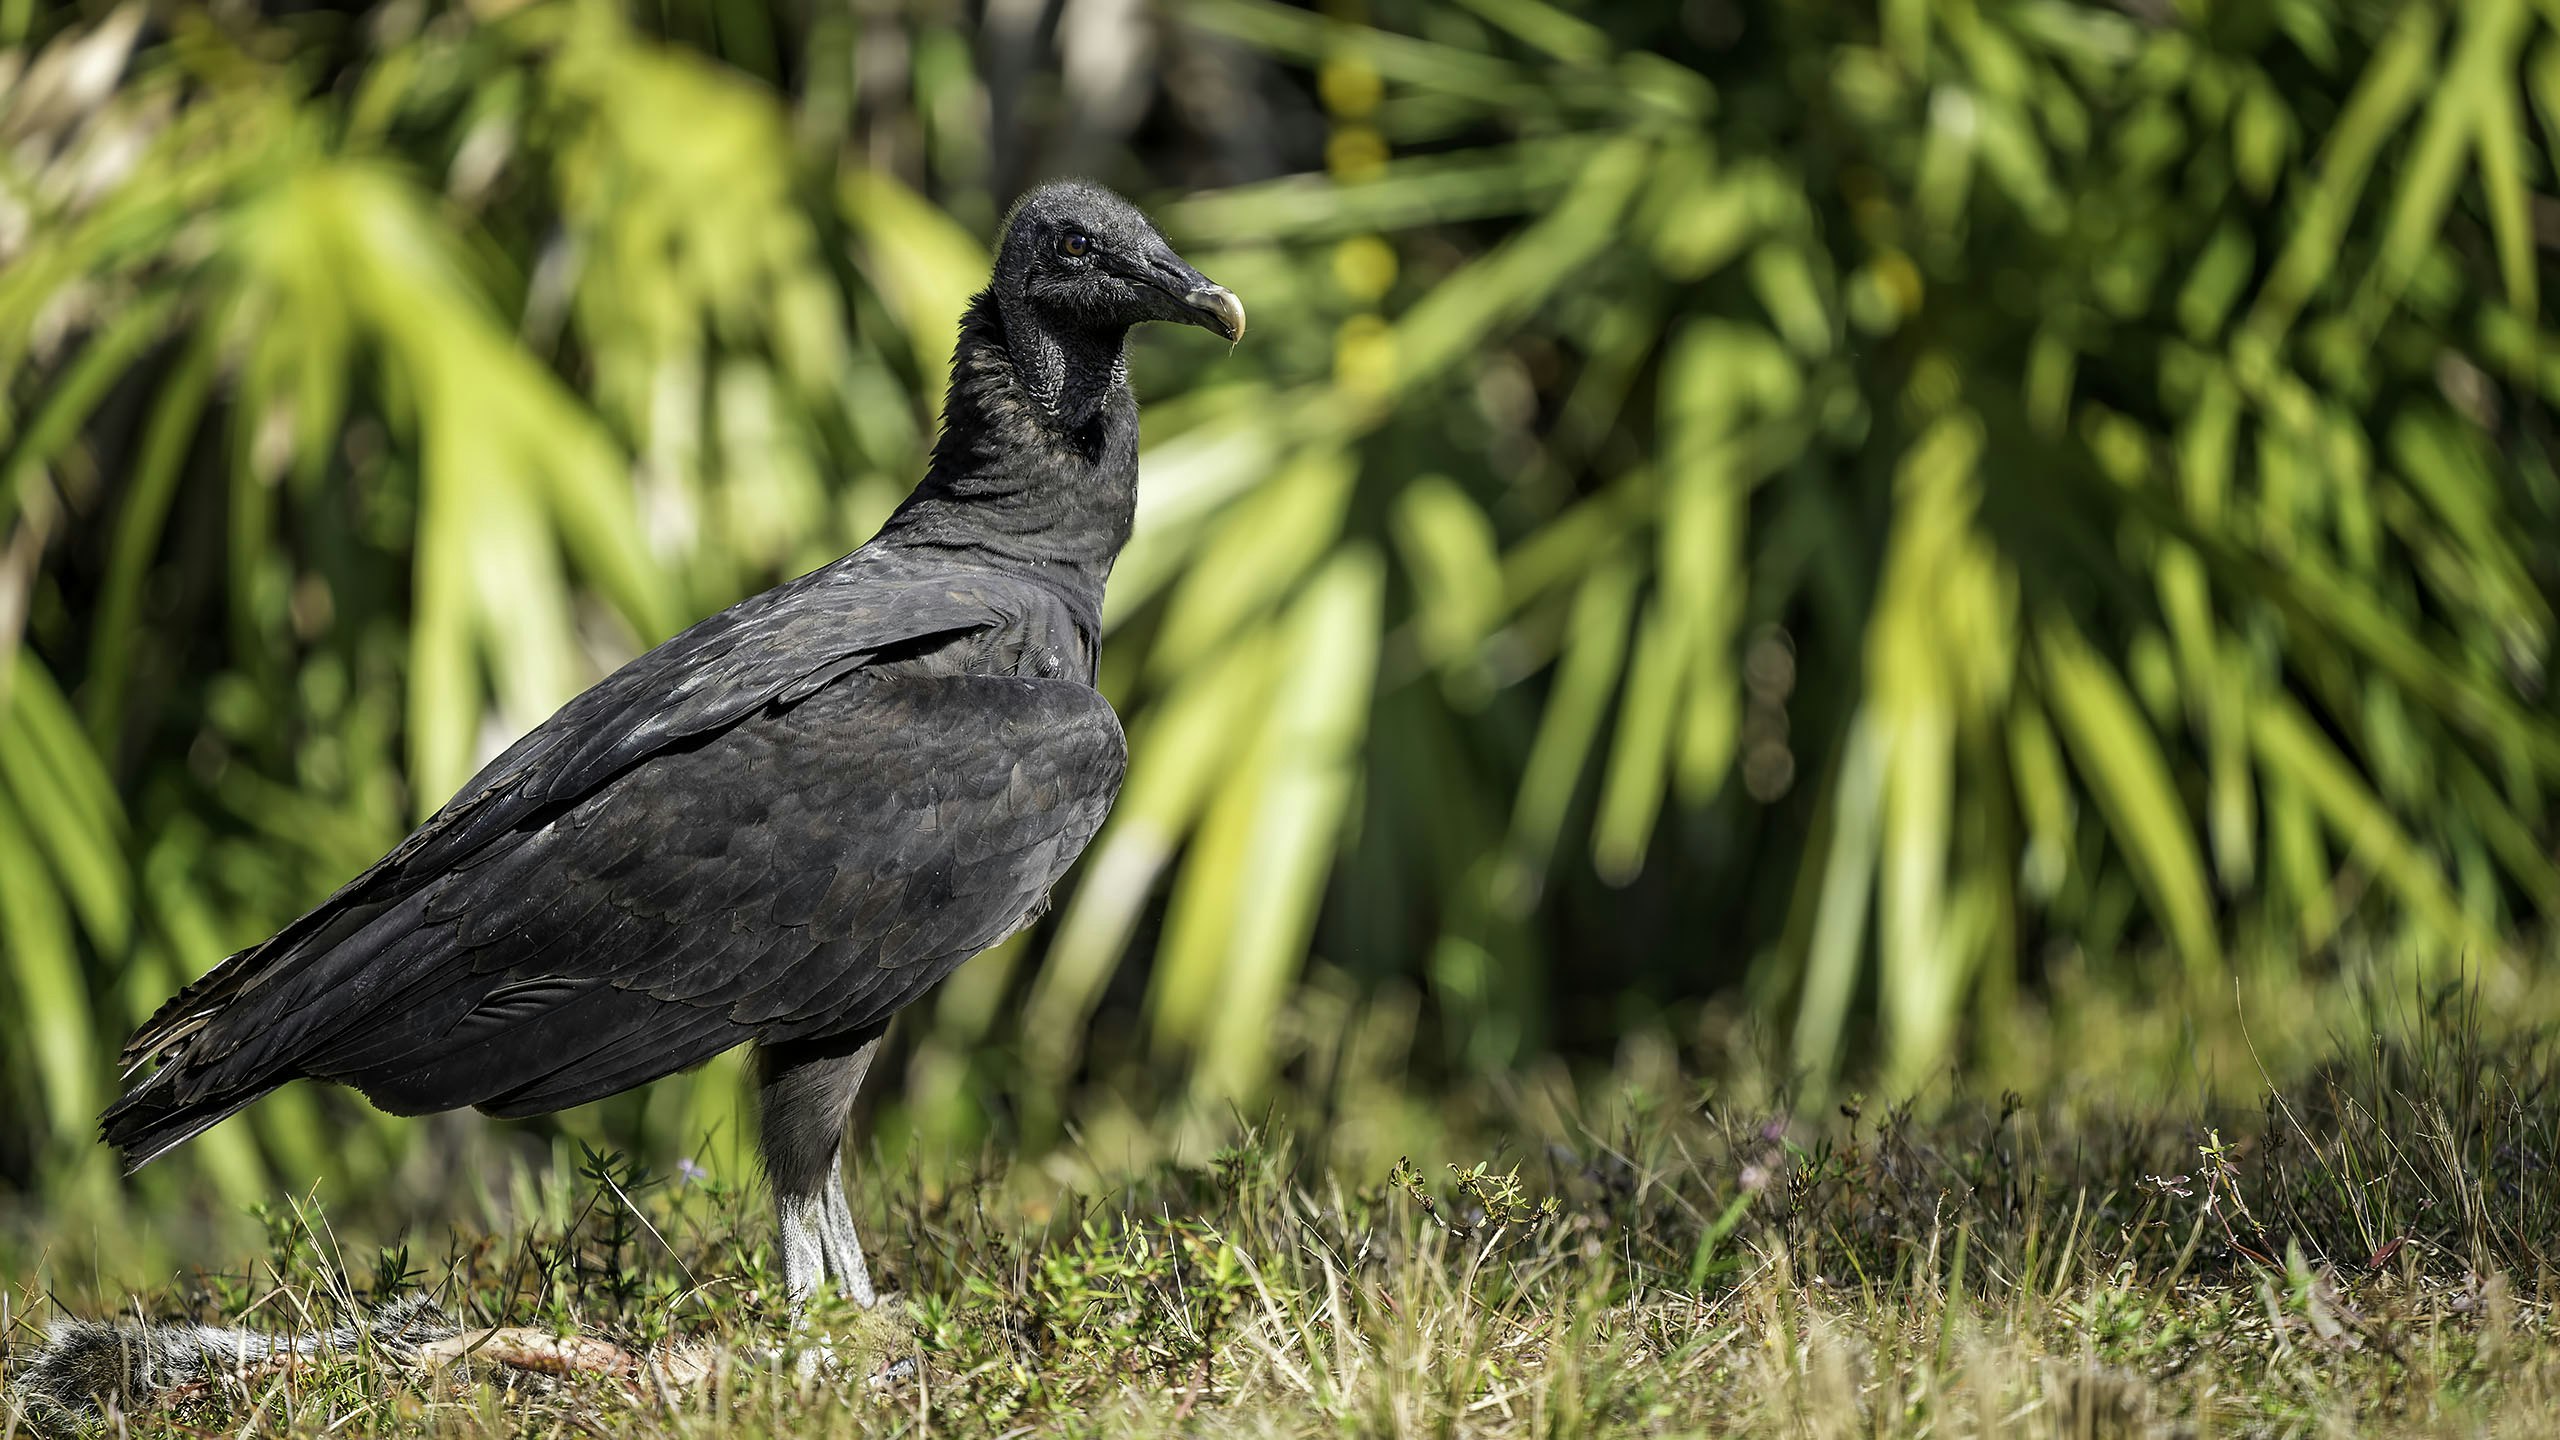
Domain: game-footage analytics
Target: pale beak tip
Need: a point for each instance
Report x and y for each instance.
(1222, 306)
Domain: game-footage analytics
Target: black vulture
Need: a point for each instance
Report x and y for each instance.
(781, 826)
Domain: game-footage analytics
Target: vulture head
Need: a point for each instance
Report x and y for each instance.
(1087, 263)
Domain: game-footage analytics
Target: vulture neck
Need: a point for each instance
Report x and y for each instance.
(1037, 463)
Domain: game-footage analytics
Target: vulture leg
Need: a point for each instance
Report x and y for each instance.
(804, 1092)
(843, 1248)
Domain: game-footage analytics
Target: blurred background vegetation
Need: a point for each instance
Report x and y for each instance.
(1841, 516)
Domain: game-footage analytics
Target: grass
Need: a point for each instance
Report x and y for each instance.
(2365, 1249)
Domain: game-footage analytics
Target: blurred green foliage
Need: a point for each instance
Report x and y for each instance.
(1843, 504)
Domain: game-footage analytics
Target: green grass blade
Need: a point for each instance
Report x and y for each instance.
(2119, 759)
(68, 811)
(1632, 792)
(1451, 556)
(1316, 730)
(166, 439)
(1265, 545)
(2287, 740)
(45, 970)
(1586, 680)
(924, 266)
(75, 396)
(2484, 60)
(1847, 879)
(2400, 73)
(1194, 734)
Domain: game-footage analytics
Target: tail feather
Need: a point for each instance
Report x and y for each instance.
(246, 1027)
(183, 1015)
(151, 1121)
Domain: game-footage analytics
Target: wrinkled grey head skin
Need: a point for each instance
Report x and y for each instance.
(1077, 268)
(1037, 462)
(1081, 259)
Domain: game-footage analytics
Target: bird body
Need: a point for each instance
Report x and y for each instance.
(708, 848)
(782, 825)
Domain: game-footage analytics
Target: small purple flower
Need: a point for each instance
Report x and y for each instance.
(690, 1172)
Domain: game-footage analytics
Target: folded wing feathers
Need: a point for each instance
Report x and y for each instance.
(766, 883)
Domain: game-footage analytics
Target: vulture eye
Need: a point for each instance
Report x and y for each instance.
(1075, 244)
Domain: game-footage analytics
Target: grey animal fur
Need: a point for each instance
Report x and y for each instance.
(87, 1366)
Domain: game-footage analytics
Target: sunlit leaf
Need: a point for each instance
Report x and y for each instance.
(2117, 754)
(2287, 740)
(1314, 738)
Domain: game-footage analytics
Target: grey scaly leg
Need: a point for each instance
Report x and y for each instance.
(841, 1247)
(805, 1092)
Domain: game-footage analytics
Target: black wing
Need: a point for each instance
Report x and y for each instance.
(803, 873)
(770, 648)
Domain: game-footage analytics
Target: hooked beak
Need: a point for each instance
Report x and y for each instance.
(1221, 310)
(1182, 294)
